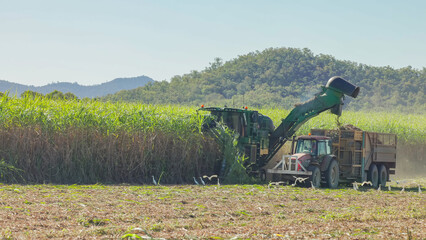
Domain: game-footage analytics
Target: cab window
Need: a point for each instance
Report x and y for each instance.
(328, 147)
(322, 150)
(306, 146)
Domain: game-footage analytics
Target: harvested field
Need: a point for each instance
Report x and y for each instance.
(210, 212)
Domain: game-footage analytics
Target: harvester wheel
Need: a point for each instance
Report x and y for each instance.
(373, 175)
(332, 174)
(315, 178)
(383, 175)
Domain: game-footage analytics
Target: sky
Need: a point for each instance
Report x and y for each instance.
(91, 42)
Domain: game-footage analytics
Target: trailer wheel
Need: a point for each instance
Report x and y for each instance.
(315, 178)
(373, 175)
(332, 174)
(383, 175)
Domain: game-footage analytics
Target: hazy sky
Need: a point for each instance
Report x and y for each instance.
(91, 41)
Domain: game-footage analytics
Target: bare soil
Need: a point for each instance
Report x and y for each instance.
(210, 212)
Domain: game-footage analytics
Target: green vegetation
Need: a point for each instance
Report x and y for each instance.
(77, 141)
(89, 141)
(57, 95)
(281, 77)
(9, 173)
(53, 114)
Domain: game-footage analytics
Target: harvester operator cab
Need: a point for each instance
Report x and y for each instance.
(253, 128)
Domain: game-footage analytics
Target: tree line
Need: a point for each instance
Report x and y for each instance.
(56, 95)
(282, 77)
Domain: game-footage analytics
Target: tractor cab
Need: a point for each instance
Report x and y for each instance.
(313, 148)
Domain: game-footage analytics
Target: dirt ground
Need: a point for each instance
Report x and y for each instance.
(210, 212)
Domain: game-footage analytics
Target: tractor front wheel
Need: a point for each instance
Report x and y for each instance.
(315, 178)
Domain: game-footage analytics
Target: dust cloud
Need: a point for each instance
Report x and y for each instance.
(411, 160)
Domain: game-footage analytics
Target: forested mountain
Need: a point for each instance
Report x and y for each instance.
(283, 77)
(77, 89)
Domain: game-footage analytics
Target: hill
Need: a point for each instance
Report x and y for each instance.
(283, 77)
(80, 91)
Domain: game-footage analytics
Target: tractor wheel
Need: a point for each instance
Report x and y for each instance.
(383, 175)
(373, 175)
(315, 178)
(332, 174)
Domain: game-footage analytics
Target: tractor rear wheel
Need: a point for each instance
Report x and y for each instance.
(315, 178)
(373, 175)
(332, 174)
(383, 175)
